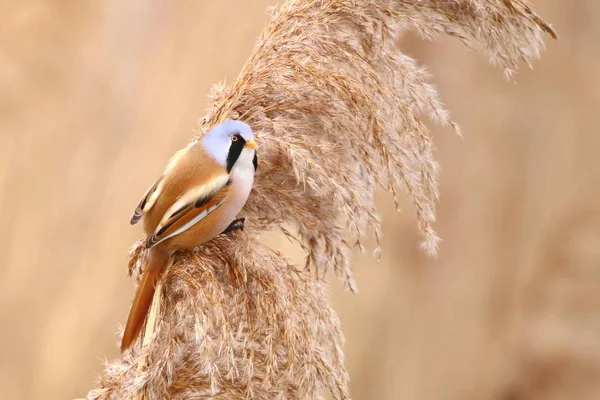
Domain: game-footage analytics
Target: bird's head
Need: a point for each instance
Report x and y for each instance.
(231, 143)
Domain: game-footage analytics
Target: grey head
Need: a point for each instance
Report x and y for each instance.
(226, 142)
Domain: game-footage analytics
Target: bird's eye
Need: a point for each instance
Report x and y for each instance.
(234, 138)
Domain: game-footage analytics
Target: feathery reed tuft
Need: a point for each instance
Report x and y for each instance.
(239, 320)
(338, 112)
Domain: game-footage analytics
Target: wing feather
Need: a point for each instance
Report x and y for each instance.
(190, 209)
(146, 202)
(154, 191)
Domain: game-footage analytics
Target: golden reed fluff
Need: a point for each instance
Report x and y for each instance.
(338, 112)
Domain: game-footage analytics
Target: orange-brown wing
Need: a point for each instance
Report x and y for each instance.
(155, 190)
(189, 213)
(141, 207)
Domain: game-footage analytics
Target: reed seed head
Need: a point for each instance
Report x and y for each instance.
(338, 111)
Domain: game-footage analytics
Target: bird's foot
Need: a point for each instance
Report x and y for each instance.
(237, 224)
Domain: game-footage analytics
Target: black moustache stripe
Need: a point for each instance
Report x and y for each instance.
(234, 152)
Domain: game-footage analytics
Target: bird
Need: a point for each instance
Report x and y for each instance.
(198, 197)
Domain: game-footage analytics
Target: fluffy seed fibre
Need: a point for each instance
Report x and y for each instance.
(338, 112)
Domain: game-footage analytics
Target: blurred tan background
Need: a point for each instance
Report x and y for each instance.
(96, 95)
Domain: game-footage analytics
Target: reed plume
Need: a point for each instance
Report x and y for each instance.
(338, 112)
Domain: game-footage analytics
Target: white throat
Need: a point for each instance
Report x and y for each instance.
(244, 163)
(242, 173)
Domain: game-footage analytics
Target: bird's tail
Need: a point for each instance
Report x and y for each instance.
(157, 263)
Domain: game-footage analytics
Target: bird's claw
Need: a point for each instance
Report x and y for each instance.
(237, 224)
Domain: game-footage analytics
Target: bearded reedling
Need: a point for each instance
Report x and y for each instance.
(198, 197)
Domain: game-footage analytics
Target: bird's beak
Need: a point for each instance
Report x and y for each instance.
(251, 144)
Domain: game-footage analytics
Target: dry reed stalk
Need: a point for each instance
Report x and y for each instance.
(338, 111)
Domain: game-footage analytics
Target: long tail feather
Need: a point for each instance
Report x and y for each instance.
(157, 263)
